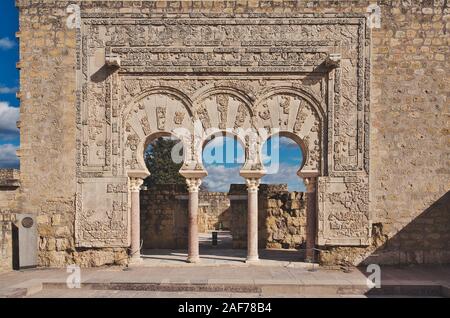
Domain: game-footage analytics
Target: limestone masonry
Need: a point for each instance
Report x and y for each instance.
(366, 99)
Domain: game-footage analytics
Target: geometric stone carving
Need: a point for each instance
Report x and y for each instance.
(101, 218)
(343, 210)
(307, 90)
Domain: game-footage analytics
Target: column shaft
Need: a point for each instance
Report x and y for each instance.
(193, 247)
(252, 220)
(135, 184)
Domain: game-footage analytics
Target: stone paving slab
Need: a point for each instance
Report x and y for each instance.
(260, 279)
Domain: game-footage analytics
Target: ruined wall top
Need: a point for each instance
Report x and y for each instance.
(263, 188)
(9, 178)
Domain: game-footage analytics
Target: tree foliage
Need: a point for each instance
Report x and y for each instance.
(163, 170)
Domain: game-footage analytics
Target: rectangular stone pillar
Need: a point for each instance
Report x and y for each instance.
(311, 217)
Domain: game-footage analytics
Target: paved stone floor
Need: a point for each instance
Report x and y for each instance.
(214, 256)
(76, 293)
(224, 281)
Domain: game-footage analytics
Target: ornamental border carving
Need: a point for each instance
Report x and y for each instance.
(105, 98)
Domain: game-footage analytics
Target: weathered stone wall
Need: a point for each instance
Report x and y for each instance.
(47, 134)
(6, 243)
(164, 217)
(214, 211)
(9, 185)
(409, 158)
(281, 216)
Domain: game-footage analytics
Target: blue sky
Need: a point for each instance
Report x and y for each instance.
(285, 157)
(9, 82)
(223, 157)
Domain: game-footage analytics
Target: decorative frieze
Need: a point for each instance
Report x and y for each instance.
(277, 74)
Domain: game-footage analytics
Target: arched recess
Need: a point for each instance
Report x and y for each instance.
(295, 138)
(163, 217)
(223, 157)
(224, 134)
(160, 111)
(222, 110)
(299, 115)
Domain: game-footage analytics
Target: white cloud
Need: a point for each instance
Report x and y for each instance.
(220, 177)
(7, 90)
(6, 43)
(286, 174)
(8, 157)
(8, 117)
(288, 142)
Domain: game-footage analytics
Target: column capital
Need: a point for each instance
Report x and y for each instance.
(135, 184)
(193, 184)
(310, 183)
(252, 184)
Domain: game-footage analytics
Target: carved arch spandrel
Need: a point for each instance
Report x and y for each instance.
(159, 110)
(298, 114)
(223, 108)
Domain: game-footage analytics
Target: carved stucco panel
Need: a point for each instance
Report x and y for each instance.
(116, 110)
(152, 114)
(343, 211)
(102, 212)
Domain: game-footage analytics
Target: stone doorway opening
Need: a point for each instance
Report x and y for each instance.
(163, 197)
(223, 156)
(222, 202)
(283, 206)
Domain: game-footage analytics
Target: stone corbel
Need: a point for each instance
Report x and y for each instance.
(333, 60)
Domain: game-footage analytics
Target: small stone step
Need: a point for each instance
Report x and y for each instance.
(271, 290)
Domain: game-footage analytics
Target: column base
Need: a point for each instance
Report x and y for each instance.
(135, 260)
(252, 259)
(193, 259)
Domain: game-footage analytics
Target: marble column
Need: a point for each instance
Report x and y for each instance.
(252, 219)
(193, 185)
(311, 216)
(135, 186)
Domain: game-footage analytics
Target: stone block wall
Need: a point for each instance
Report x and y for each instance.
(214, 211)
(164, 217)
(409, 157)
(9, 188)
(6, 242)
(285, 219)
(281, 216)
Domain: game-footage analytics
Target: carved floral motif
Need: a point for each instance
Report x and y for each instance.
(161, 117)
